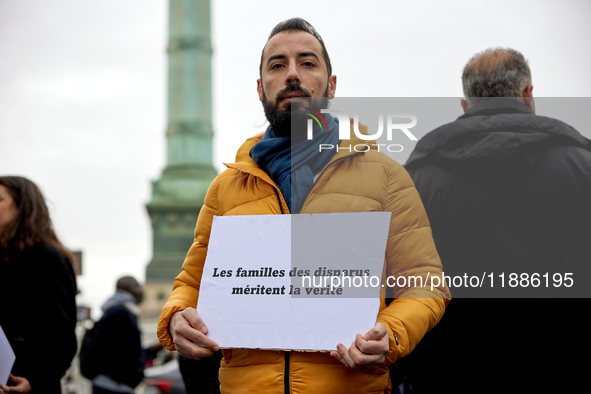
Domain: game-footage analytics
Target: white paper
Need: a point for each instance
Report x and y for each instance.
(279, 321)
(7, 357)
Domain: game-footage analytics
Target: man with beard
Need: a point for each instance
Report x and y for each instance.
(282, 172)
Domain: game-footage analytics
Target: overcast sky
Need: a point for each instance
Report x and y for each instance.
(83, 84)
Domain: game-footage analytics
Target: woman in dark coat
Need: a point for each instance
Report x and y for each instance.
(37, 300)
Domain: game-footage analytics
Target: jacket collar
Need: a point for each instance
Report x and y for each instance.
(494, 128)
(497, 105)
(245, 163)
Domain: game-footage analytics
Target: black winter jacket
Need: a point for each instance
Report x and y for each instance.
(506, 191)
(38, 315)
(121, 357)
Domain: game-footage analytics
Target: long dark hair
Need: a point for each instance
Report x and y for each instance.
(32, 224)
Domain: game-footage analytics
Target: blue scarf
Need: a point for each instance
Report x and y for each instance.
(292, 166)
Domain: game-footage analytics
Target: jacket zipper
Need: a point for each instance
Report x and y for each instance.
(286, 376)
(286, 354)
(278, 200)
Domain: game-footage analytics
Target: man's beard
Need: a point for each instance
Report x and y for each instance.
(294, 115)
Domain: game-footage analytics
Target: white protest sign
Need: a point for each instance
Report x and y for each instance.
(7, 357)
(254, 292)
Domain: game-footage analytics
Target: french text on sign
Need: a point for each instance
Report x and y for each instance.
(253, 268)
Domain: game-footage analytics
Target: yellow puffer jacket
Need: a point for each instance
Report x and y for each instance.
(351, 182)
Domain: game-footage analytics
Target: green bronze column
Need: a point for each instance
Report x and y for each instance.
(178, 195)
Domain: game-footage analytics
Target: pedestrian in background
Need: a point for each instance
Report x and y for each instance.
(120, 360)
(37, 300)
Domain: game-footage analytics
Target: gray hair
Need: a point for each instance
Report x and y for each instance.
(495, 72)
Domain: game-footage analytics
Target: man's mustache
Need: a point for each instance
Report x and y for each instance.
(292, 87)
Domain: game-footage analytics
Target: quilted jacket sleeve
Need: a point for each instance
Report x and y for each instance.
(410, 254)
(186, 285)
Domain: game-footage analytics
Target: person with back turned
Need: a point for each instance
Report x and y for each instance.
(506, 192)
(120, 362)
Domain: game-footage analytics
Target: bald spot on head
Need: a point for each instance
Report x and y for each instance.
(488, 62)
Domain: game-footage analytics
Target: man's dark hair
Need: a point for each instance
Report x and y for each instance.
(126, 283)
(495, 72)
(295, 24)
